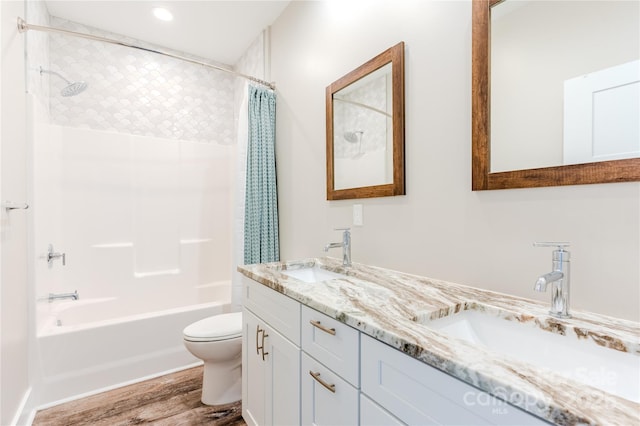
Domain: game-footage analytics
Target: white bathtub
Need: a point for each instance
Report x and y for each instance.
(102, 343)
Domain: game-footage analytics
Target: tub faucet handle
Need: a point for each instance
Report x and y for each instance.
(54, 255)
(72, 296)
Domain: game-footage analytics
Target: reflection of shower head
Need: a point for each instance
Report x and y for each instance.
(72, 88)
(353, 137)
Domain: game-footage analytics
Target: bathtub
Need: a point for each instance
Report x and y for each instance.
(90, 345)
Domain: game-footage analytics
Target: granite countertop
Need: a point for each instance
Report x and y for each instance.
(390, 305)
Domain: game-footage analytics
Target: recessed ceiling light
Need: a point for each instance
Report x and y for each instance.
(162, 14)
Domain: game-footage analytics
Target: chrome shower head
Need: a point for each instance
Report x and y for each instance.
(72, 88)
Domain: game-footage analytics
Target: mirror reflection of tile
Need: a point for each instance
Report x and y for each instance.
(362, 118)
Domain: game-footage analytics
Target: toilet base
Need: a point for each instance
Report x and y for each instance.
(222, 382)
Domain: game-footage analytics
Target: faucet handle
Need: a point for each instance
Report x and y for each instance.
(342, 229)
(560, 254)
(560, 245)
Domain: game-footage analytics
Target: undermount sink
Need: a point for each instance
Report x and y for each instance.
(312, 274)
(581, 360)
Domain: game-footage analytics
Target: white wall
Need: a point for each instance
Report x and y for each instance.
(441, 228)
(14, 384)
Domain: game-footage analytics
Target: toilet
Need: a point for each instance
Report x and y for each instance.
(217, 340)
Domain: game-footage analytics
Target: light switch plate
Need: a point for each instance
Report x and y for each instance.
(358, 219)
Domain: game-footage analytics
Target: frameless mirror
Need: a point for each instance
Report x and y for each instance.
(556, 93)
(365, 129)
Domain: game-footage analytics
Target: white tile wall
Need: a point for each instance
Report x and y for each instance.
(138, 92)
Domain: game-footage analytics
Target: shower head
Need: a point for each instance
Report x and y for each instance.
(72, 88)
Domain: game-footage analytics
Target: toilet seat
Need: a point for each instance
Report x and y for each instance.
(215, 328)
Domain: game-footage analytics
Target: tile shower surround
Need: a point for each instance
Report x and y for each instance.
(137, 92)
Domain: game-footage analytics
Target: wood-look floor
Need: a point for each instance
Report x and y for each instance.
(169, 400)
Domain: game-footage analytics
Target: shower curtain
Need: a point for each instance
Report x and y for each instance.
(261, 198)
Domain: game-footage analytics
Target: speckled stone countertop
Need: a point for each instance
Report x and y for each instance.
(390, 305)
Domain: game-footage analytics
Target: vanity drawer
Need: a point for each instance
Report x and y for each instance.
(327, 400)
(331, 342)
(417, 393)
(277, 310)
(371, 414)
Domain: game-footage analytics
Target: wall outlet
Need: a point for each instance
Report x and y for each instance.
(358, 219)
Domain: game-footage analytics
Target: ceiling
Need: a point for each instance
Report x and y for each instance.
(213, 29)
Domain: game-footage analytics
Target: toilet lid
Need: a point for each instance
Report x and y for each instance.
(217, 327)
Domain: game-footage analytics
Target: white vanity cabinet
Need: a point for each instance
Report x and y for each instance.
(330, 373)
(301, 366)
(270, 357)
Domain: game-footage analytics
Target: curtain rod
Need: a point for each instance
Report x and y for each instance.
(24, 27)
(360, 104)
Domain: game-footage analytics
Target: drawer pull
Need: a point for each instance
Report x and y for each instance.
(258, 331)
(262, 347)
(316, 376)
(331, 331)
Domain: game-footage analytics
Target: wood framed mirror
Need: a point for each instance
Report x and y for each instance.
(365, 129)
(483, 178)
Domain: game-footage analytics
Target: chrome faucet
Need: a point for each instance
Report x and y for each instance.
(54, 255)
(559, 278)
(345, 244)
(72, 296)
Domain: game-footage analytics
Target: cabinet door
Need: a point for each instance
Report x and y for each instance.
(253, 372)
(270, 375)
(327, 400)
(282, 362)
